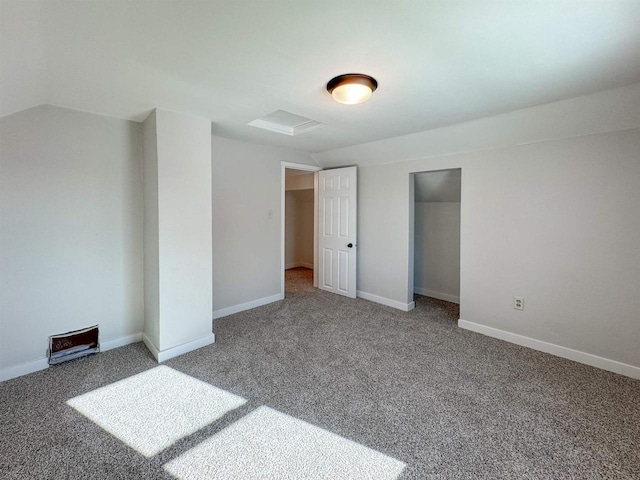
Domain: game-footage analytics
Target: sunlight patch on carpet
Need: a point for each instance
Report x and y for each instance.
(152, 410)
(267, 444)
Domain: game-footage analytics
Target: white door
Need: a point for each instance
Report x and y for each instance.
(337, 197)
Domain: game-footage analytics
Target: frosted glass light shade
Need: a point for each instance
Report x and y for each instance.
(351, 93)
(352, 88)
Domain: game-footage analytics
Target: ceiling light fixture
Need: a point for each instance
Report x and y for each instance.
(352, 88)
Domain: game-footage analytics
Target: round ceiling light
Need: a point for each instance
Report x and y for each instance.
(352, 88)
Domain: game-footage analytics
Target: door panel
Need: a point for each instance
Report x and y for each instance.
(343, 281)
(327, 270)
(343, 219)
(337, 201)
(327, 229)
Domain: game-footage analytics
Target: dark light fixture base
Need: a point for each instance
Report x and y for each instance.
(352, 78)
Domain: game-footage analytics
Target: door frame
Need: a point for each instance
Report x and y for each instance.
(308, 168)
(411, 243)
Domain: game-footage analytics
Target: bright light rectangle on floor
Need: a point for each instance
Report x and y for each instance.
(267, 444)
(152, 410)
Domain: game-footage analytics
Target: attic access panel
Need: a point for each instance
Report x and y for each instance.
(286, 123)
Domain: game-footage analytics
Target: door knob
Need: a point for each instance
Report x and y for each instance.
(350, 245)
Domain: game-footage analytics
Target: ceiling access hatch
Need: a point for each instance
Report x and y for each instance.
(285, 122)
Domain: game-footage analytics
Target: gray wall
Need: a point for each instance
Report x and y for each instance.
(70, 228)
(437, 250)
(246, 243)
(555, 222)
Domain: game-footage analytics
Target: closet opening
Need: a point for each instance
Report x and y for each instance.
(299, 213)
(436, 237)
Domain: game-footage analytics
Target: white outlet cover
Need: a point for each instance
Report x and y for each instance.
(518, 303)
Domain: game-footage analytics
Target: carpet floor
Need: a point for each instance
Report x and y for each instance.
(321, 386)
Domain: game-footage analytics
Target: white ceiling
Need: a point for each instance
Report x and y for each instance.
(437, 62)
(438, 186)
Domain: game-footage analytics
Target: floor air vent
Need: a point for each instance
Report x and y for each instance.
(70, 345)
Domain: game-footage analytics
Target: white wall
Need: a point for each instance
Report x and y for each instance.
(246, 243)
(299, 228)
(529, 227)
(24, 73)
(437, 250)
(607, 111)
(151, 233)
(184, 229)
(555, 222)
(70, 229)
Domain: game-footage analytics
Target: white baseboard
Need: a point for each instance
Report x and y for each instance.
(150, 346)
(439, 295)
(21, 369)
(223, 312)
(36, 365)
(164, 355)
(120, 342)
(298, 264)
(405, 307)
(557, 350)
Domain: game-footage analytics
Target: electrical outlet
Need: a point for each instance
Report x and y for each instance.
(518, 303)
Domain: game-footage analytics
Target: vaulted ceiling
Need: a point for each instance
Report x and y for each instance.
(437, 62)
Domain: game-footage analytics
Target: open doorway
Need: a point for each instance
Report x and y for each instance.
(299, 220)
(298, 229)
(436, 259)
